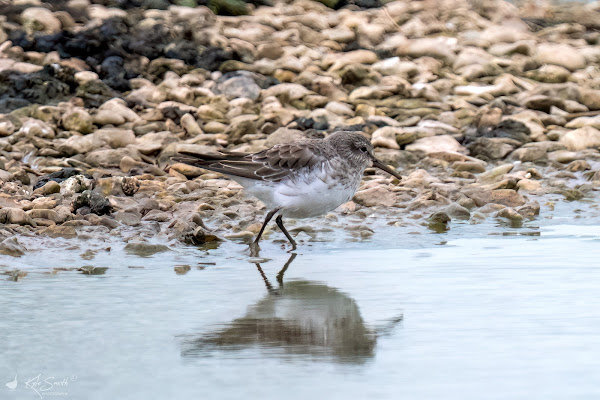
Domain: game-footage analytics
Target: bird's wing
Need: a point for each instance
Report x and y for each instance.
(271, 165)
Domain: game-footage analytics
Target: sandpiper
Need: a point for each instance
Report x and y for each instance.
(301, 179)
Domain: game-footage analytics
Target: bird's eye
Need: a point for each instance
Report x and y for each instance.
(363, 149)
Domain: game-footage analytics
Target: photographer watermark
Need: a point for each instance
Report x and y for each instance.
(42, 385)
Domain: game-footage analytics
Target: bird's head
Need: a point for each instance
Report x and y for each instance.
(358, 150)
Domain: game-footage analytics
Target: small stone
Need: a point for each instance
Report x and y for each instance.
(44, 214)
(590, 98)
(75, 184)
(529, 210)
(438, 222)
(11, 215)
(469, 166)
(510, 213)
(376, 196)
(11, 247)
(38, 19)
(91, 270)
(97, 203)
(582, 138)
(145, 249)
(240, 87)
(529, 185)
(579, 165)
(560, 54)
(78, 120)
(434, 144)
(457, 211)
(55, 231)
(182, 269)
(107, 117)
(385, 137)
(50, 187)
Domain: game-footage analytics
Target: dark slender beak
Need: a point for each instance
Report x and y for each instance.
(383, 167)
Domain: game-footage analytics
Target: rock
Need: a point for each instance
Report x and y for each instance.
(457, 211)
(128, 218)
(490, 148)
(6, 176)
(44, 214)
(419, 178)
(77, 144)
(564, 156)
(78, 120)
(12, 247)
(6, 128)
(525, 154)
(510, 213)
(55, 231)
(188, 122)
(75, 184)
(91, 270)
(11, 215)
(583, 138)
(580, 122)
(529, 210)
(434, 144)
(289, 91)
(115, 138)
(560, 54)
(108, 117)
(529, 185)
(240, 87)
(590, 98)
(336, 62)
(438, 222)
(284, 135)
(549, 74)
(439, 47)
(33, 127)
(50, 187)
(97, 203)
(469, 166)
(385, 137)
(38, 19)
(376, 196)
(57, 176)
(543, 103)
(145, 249)
(272, 51)
(579, 165)
(506, 197)
(110, 158)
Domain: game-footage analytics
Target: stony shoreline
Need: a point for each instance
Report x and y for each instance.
(484, 112)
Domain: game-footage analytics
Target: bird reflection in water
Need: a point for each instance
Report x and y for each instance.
(301, 318)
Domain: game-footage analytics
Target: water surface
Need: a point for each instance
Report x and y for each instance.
(480, 312)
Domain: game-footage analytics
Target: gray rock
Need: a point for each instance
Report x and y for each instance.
(12, 247)
(240, 87)
(145, 249)
(78, 120)
(12, 215)
(97, 203)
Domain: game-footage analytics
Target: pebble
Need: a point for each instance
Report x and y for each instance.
(463, 107)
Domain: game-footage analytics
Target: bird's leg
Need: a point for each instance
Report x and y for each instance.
(262, 274)
(285, 267)
(279, 221)
(267, 219)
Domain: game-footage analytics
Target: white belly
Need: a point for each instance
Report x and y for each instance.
(303, 197)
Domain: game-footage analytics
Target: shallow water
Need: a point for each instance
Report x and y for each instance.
(480, 312)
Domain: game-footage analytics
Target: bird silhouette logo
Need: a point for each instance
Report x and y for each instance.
(13, 384)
